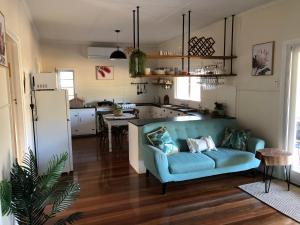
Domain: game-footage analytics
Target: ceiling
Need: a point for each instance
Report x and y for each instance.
(96, 20)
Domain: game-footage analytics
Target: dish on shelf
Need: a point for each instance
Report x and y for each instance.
(159, 72)
(170, 72)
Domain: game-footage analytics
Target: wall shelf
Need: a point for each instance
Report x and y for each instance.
(153, 56)
(152, 76)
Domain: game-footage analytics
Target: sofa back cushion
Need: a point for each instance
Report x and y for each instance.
(181, 130)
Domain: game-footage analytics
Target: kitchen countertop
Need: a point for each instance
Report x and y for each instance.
(83, 107)
(166, 107)
(192, 112)
(143, 122)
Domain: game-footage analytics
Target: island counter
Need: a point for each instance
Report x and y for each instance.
(135, 132)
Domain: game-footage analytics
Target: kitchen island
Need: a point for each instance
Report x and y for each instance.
(136, 136)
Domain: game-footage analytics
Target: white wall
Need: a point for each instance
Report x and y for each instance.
(63, 55)
(18, 25)
(257, 98)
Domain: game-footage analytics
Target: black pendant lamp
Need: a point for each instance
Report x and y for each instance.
(118, 54)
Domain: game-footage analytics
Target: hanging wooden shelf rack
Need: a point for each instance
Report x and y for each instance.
(153, 76)
(153, 56)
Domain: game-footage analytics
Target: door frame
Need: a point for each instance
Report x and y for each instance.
(19, 123)
(285, 99)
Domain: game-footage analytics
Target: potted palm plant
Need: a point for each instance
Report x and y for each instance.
(35, 199)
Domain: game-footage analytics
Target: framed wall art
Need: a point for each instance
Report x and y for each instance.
(2, 41)
(263, 59)
(104, 72)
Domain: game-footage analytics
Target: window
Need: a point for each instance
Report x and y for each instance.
(188, 88)
(66, 81)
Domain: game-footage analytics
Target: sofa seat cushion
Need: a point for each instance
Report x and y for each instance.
(186, 162)
(225, 157)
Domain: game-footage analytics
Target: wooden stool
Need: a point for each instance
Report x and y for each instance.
(272, 157)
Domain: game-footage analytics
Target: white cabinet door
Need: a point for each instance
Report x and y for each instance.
(74, 116)
(145, 112)
(87, 121)
(156, 112)
(172, 113)
(83, 121)
(165, 113)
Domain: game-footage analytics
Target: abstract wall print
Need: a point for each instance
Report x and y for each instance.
(2, 41)
(104, 72)
(262, 59)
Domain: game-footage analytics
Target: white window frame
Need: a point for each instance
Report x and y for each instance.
(74, 77)
(182, 99)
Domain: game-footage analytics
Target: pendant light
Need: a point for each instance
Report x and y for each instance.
(118, 54)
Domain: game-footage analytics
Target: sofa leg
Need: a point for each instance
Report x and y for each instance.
(147, 173)
(253, 173)
(164, 188)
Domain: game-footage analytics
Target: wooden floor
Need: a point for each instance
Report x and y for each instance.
(112, 193)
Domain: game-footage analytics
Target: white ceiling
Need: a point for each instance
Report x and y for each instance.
(96, 20)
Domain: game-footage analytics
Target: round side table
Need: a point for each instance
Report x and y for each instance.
(272, 157)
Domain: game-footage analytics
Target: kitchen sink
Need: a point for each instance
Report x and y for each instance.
(171, 106)
(185, 110)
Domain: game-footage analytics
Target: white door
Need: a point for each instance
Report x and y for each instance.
(292, 120)
(52, 128)
(6, 152)
(17, 91)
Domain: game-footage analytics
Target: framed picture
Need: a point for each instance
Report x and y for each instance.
(104, 72)
(263, 59)
(2, 41)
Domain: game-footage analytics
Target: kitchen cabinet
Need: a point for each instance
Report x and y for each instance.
(83, 121)
(157, 112)
(149, 112)
(145, 112)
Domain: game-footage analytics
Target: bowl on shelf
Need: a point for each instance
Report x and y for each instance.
(170, 72)
(159, 72)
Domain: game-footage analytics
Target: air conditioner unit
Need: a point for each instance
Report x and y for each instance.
(99, 52)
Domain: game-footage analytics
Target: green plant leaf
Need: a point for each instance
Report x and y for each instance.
(30, 193)
(30, 165)
(5, 197)
(70, 219)
(55, 169)
(66, 198)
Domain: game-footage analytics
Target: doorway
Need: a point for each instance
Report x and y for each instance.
(16, 92)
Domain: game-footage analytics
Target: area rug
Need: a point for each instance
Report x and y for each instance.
(279, 198)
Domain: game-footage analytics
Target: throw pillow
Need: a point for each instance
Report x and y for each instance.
(196, 145)
(161, 139)
(210, 143)
(202, 144)
(235, 139)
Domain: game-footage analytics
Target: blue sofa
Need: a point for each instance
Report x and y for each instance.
(185, 165)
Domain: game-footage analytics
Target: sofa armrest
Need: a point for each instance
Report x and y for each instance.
(255, 144)
(156, 162)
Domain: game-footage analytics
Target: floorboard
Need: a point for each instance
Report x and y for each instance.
(112, 193)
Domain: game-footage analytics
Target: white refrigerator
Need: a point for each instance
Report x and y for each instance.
(52, 127)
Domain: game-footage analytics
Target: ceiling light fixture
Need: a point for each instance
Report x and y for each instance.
(118, 54)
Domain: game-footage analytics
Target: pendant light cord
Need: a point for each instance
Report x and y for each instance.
(117, 31)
